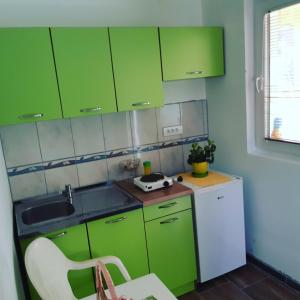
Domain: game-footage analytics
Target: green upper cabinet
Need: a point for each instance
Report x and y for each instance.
(137, 67)
(84, 70)
(191, 52)
(28, 89)
(123, 236)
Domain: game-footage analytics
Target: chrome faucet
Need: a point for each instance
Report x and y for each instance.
(68, 193)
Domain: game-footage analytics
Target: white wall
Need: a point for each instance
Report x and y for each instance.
(99, 12)
(272, 202)
(10, 286)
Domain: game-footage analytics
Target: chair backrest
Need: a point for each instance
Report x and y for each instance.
(47, 268)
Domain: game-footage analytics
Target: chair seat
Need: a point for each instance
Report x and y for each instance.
(141, 288)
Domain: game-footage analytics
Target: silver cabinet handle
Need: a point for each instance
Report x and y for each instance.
(220, 197)
(59, 235)
(193, 72)
(116, 220)
(31, 116)
(91, 109)
(168, 205)
(141, 103)
(171, 220)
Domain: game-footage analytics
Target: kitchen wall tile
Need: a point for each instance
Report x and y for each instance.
(144, 127)
(171, 160)
(28, 185)
(117, 130)
(92, 172)
(184, 90)
(153, 156)
(57, 178)
(20, 145)
(169, 115)
(115, 172)
(193, 120)
(87, 135)
(56, 139)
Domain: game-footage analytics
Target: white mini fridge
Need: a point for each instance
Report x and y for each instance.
(220, 229)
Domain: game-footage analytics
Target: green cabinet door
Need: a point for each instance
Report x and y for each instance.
(171, 251)
(191, 52)
(28, 89)
(123, 236)
(137, 67)
(73, 242)
(84, 70)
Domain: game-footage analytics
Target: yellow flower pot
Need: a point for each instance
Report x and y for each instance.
(200, 169)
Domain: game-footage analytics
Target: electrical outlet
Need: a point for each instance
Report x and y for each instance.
(173, 130)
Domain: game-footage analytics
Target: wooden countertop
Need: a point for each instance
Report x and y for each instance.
(157, 196)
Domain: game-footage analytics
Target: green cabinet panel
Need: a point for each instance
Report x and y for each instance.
(84, 71)
(137, 67)
(123, 236)
(171, 250)
(73, 242)
(167, 207)
(29, 89)
(191, 52)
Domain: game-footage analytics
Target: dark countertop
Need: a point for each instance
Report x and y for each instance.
(157, 196)
(90, 204)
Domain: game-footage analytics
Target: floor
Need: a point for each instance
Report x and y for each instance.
(246, 283)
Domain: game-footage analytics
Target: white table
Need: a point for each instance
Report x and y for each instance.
(141, 288)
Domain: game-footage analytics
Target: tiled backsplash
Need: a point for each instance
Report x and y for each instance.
(42, 157)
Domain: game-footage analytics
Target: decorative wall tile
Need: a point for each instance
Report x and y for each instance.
(184, 90)
(153, 156)
(144, 127)
(169, 115)
(57, 178)
(115, 172)
(28, 185)
(117, 130)
(171, 160)
(92, 172)
(20, 145)
(87, 135)
(56, 139)
(51, 147)
(193, 120)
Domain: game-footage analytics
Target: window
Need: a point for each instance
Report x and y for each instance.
(280, 80)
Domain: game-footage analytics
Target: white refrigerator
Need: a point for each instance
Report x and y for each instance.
(220, 230)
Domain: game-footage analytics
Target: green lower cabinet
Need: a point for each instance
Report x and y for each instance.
(171, 251)
(73, 242)
(123, 236)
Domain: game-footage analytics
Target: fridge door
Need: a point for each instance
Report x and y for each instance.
(220, 229)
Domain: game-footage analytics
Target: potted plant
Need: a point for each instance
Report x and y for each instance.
(200, 157)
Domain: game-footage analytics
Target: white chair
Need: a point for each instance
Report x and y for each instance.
(47, 268)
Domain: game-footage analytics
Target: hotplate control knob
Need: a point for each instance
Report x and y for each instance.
(166, 184)
(179, 179)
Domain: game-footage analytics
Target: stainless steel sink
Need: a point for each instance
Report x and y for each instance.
(47, 212)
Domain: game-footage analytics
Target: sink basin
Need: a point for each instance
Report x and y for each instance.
(47, 211)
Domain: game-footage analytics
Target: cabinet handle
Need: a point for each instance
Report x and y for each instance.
(31, 116)
(193, 72)
(141, 103)
(220, 197)
(115, 220)
(91, 109)
(169, 221)
(168, 205)
(59, 235)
